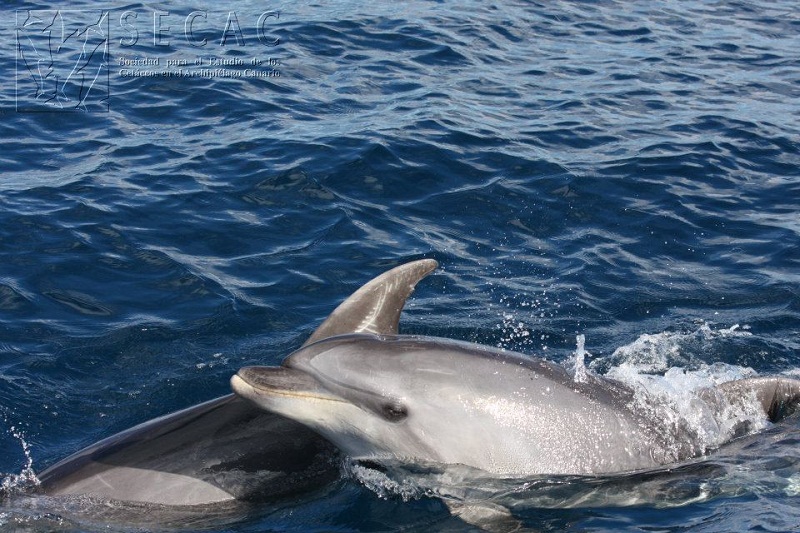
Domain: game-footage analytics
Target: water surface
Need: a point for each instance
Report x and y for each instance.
(624, 171)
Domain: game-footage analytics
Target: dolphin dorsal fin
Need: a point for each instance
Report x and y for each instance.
(376, 306)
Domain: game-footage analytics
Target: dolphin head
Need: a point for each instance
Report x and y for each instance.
(352, 390)
(330, 386)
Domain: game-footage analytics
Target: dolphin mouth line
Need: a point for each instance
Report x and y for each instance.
(243, 388)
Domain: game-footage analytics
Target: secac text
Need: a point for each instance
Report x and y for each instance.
(196, 28)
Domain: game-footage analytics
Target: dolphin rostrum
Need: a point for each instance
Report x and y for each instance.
(379, 396)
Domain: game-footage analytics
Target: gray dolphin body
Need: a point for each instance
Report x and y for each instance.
(382, 396)
(219, 451)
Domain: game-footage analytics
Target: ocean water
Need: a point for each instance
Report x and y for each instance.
(187, 189)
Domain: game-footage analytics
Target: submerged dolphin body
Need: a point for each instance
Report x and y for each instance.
(382, 396)
(218, 451)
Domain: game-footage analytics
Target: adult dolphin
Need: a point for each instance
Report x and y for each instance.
(218, 451)
(380, 396)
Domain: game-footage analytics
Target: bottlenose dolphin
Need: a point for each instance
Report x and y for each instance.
(223, 450)
(380, 396)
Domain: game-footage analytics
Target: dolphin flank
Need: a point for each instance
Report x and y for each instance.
(379, 396)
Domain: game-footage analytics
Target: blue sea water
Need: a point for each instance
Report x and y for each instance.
(626, 171)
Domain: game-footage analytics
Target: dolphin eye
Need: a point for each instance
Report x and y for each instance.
(394, 411)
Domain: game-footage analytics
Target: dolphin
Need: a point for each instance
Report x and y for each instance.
(386, 398)
(220, 451)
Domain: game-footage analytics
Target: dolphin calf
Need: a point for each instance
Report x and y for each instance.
(380, 396)
(223, 450)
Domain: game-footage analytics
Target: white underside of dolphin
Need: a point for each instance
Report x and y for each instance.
(378, 395)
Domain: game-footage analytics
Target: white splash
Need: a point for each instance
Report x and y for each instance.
(579, 365)
(667, 381)
(26, 479)
(381, 484)
(519, 320)
(793, 485)
(513, 331)
(657, 352)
